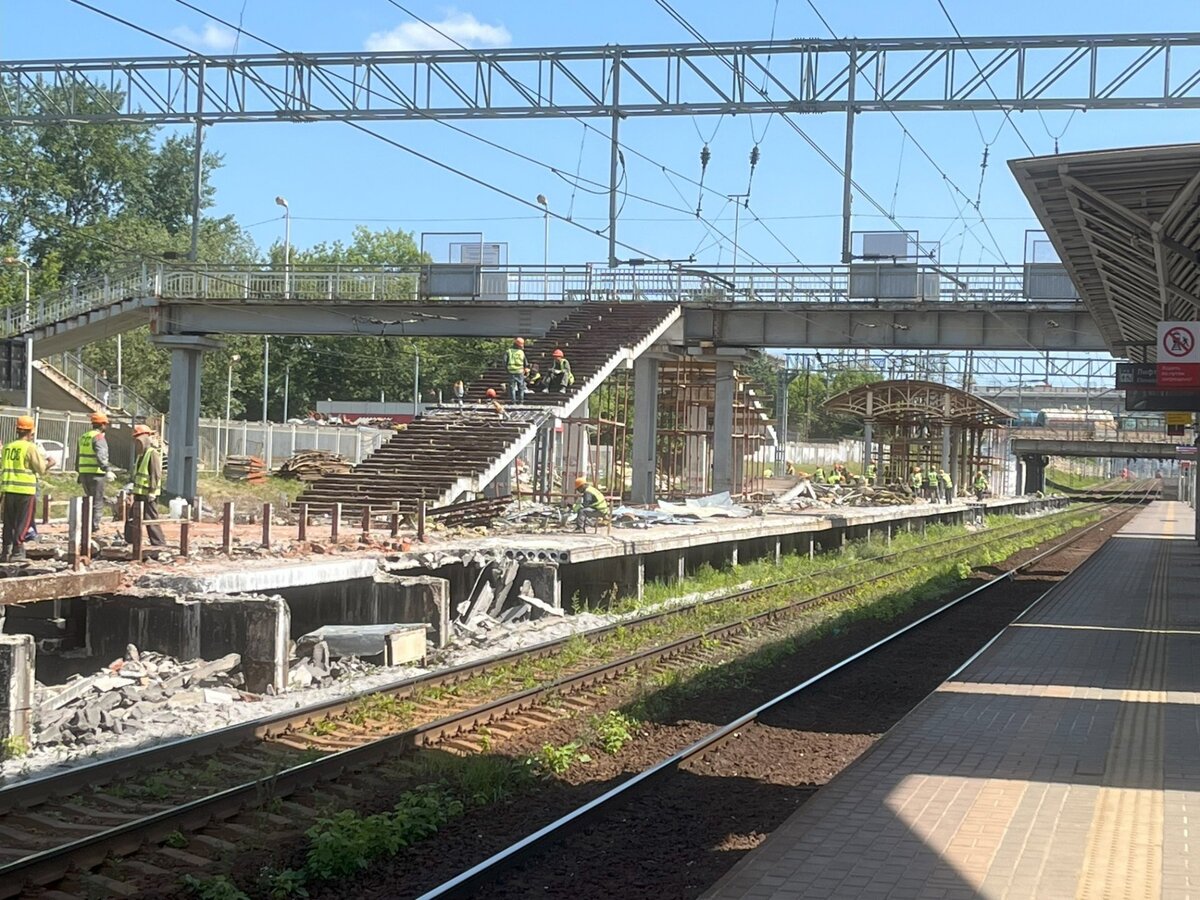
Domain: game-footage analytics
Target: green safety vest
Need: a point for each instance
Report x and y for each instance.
(945, 476)
(593, 499)
(981, 483)
(819, 477)
(915, 478)
(89, 462)
(931, 479)
(514, 359)
(141, 474)
(16, 477)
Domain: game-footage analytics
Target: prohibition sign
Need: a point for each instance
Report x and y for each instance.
(1178, 341)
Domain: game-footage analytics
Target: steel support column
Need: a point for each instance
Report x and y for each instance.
(868, 441)
(645, 423)
(723, 428)
(183, 421)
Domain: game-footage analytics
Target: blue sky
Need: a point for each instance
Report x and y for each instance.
(334, 176)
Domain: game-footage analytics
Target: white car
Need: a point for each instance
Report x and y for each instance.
(55, 452)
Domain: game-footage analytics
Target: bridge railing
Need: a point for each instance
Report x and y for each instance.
(865, 282)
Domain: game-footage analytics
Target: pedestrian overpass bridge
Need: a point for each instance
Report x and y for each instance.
(885, 304)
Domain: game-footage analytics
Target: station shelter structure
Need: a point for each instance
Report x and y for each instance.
(914, 423)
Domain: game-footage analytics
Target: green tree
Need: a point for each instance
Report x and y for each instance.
(807, 395)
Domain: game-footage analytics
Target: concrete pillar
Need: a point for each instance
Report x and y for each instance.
(645, 423)
(868, 441)
(695, 451)
(183, 423)
(17, 653)
(255, 627)
(723, 429)
(946, 446)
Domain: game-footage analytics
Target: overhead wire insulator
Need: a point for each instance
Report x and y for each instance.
(705, 156)
(755, 155)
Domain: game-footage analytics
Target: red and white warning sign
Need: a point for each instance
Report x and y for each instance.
(1178, 354)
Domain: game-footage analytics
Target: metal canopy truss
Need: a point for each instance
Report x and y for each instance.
(911, 402)
(1112, 71)
(961, 367)
(1127, 225)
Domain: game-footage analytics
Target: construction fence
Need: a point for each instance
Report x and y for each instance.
(272, 442)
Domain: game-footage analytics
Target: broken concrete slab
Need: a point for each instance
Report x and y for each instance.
(256, 627)
(395, 642)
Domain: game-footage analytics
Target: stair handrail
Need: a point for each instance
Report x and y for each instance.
(114, 397)
(143, 279)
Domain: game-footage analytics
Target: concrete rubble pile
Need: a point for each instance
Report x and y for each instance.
(313, 664)
(135, 693)
(809, 495)
(498, 598)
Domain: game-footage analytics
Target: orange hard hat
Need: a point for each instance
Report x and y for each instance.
(24, 423)
(520, 342)
(139, 430)
(557, 354)
(491, 392)
(580, 481)
(99, 418)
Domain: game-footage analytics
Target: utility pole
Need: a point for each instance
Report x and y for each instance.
(613, 160)
(847, 185)
(197, 164)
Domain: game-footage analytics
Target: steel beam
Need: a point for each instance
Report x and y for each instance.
(801, 76)
(1100, 449)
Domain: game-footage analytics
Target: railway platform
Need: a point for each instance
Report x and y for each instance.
(1063, 760)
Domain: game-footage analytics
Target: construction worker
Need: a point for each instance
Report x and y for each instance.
(460, 393)
(915, 481)
(591, 503)
(979, 485)
(947, 485)
(147, 482)
(533, 378)
(835, 477)
(560, 377)
(869, 474)
(819, 476)
(514, 363)
(22, 464)
(931, 485)
(91, 453)
(496, 404)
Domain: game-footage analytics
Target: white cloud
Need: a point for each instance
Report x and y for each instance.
(462, 27)
(213, 37)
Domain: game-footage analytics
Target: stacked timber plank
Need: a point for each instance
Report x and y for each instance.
(313, 465)
(471, 513)
(245, 468)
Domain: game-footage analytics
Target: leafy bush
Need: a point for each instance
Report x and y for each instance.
(551, 760)
(613, 731)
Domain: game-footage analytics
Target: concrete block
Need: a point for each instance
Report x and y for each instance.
(163, 623)
(256, 627)
(17, 652)
(543, 579)
(413, 598)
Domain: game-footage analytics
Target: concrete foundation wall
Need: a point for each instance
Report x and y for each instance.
(16, 687)
(372, 601)
(257, 628)
(165, 624)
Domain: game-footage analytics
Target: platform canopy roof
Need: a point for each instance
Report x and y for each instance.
(917, 402)
(1126, 223)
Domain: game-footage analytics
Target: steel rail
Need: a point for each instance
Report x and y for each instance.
(46, 866)
(474, 878)
(34, 791)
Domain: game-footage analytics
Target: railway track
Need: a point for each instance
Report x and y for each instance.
(470, 882)
(53, 826)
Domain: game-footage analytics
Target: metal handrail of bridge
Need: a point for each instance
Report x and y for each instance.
(985, 284)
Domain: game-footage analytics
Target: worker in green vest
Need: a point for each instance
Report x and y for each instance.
(870, 473)
(561, 376)
(91, 455)
(22, 464)
(915, 481)
(591, 504)
(947, 485)
(514, 363)
(819, 476)
(147, 482)
(931, 485)
(979, 485)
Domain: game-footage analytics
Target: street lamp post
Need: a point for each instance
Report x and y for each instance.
(17, 261)
(545, 204)
(229, 398)
(287, 247)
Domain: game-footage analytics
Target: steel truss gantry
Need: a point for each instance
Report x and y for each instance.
(1102, 71)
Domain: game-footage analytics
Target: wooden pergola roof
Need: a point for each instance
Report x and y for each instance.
(916, 402)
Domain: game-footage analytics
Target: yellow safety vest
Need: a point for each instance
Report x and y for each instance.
(15, 476)
(141, 475)
(593, 499)
(515, 360)
(89, 462)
